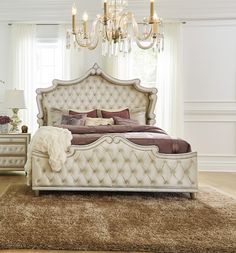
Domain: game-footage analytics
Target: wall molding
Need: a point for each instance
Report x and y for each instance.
(211, 22)
(214, 163)
(210, 111)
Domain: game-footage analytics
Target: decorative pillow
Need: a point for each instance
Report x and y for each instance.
(127, 122)
(54, 116)
(99, 111)
(98, 122)
(110, 114)
(139, 114)
(74, 120)
(91, 114)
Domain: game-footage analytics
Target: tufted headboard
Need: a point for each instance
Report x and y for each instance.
(94, 90)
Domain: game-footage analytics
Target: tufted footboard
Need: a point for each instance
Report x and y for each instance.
(115, 164)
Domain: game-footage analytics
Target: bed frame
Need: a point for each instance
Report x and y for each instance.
(112, 163)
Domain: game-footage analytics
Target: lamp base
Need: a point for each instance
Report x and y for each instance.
(15, 121)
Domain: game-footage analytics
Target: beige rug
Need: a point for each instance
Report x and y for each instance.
(117, 221)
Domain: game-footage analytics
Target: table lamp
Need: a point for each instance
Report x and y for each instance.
(15, 100)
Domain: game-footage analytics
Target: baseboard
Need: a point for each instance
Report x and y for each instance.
(217, 163)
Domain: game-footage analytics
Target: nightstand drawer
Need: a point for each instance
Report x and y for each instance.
(10, 149)
(13, 139)
(12, 162)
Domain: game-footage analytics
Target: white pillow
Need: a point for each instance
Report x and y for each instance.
(54, 116)
(138, 114)
(98, 122)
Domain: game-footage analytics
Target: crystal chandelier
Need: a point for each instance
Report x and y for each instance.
(116, 28)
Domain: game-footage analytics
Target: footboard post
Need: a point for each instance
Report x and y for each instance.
(36, 193)
(193, 195)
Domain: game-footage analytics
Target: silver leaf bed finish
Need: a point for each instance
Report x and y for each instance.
(112, 163)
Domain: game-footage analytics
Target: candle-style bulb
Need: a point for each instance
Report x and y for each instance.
(85, 17)
(74, 9)
(155, 16)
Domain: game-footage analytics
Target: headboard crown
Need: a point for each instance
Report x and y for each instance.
(96, 89)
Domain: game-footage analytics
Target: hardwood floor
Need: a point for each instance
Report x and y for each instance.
(223, 182)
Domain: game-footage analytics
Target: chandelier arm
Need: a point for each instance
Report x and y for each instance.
(151, 44)
(131, 18)
(123, 16)
(78, 42)
(93, 36)
(136, 31)
(107, 36)
(91, 45)
(94, 27)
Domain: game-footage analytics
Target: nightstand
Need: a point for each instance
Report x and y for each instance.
(13, 151)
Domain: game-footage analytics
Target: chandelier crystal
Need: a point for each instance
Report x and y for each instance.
(116, 28)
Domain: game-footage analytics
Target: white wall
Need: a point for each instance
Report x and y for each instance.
(210, 92)
(4, 62)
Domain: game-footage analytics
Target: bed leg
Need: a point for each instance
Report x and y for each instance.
(36, 193)
(193, 195)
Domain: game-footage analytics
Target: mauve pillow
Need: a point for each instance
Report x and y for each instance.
(77, 122)
(126, 122)
(90, 114)
(122, 114)
(78, 119)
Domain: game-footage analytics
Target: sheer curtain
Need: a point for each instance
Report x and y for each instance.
(169, 82)
(72, 62)
(22, 73)
(167, 76)
(25, 40)
(116, 66)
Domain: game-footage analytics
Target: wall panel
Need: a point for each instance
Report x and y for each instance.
(209, 64)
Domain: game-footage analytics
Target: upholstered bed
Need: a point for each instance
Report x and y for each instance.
(112, 162)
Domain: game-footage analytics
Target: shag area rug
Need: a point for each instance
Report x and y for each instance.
(117, 221)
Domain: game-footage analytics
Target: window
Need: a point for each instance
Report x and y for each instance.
(48, 55)
(47, 62)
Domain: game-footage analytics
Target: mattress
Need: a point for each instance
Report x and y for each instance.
(141, 135)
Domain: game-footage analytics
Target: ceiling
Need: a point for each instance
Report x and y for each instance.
(54, 11)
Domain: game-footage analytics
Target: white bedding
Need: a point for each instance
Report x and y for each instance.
(52, 141)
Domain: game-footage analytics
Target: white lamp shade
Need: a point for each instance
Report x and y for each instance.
(15, 99)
